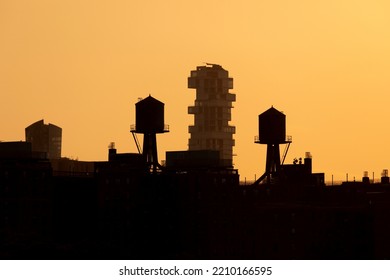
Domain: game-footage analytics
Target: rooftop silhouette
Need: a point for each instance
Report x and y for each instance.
(192, 206)
(45, 138)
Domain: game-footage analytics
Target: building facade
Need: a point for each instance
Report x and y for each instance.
(212, 112)
(45, 138)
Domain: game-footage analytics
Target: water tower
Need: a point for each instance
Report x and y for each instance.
(272, 132)
(149, 121)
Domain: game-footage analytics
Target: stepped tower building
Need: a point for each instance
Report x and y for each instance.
(212, 112)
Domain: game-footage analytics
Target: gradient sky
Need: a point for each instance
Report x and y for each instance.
(83, 64)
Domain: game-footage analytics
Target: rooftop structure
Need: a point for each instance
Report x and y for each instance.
(46, 138)
(212, 112)
(149, 115)
(272, 132)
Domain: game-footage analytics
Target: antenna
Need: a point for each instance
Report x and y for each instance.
(211, 64)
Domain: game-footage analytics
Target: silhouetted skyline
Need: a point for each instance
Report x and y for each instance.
(191, 207)
(82, 66)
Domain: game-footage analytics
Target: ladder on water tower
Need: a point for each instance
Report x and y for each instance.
(288, 142)
(136, 142)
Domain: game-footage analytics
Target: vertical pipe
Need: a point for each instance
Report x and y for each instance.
(154, 159)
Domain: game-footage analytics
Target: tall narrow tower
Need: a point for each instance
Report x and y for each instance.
(212, 112)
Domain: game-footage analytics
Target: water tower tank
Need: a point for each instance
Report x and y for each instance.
(272, 127)
(149, 116)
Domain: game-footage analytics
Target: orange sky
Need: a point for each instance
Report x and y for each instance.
(82, 65)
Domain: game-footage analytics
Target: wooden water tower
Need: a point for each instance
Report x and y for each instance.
(272, 132)
(149, 121)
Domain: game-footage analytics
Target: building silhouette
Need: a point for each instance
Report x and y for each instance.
(212, 112)
(25, 200)
(194, 207)
(45, 138)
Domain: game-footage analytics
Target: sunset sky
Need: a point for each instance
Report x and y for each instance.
(82, 65)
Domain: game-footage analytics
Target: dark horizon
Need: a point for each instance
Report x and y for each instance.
(192, 207)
